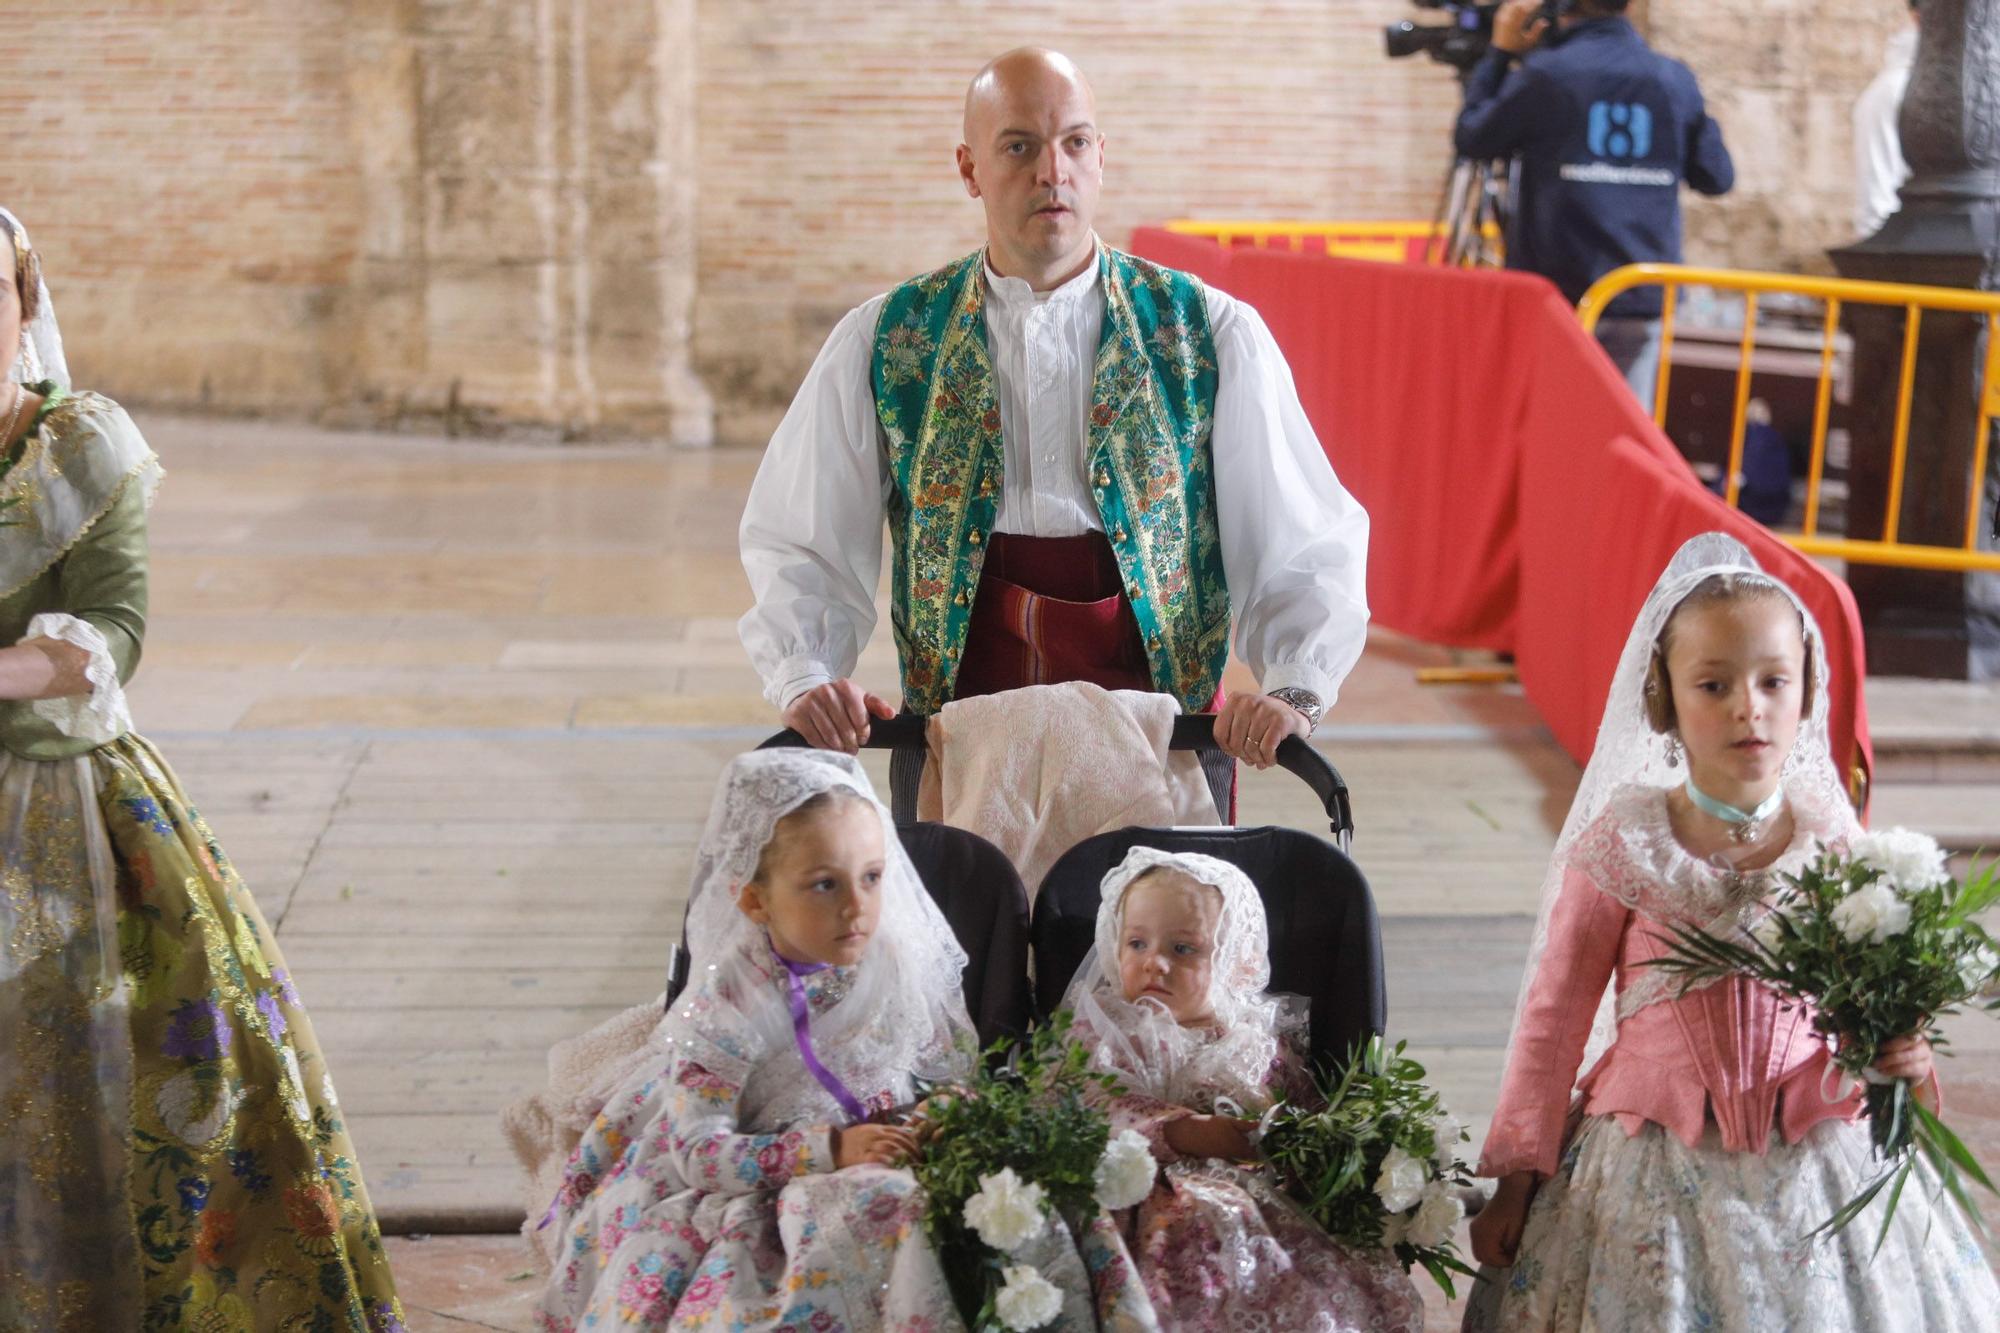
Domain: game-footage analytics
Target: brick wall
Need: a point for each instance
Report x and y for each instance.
(474, 212)
(510, 210)
(826, 140)
(187, 172)
(826, 136)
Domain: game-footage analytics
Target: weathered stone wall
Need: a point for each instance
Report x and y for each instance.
(529, 195)
(379, 211)
(578, 213)
(1781, 76)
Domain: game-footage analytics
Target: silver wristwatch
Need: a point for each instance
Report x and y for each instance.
(1304, 700)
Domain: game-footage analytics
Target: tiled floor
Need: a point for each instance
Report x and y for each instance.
(456, 709)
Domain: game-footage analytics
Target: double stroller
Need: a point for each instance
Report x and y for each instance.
(1325, 940)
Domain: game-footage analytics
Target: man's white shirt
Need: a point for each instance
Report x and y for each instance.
(1294, 542)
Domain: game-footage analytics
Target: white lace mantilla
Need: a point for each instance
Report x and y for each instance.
(1155, 1054)
(1630, 852)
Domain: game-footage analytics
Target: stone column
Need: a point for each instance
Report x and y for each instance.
(1946, 233)
(528, 250)
(376, 337)
(629, 203)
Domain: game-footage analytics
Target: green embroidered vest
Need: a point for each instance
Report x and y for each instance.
(1152, 403)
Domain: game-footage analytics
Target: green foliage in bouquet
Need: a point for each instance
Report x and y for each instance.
(1029, 1112)
(1376, 1165)
(7, 520)
(1881, 942)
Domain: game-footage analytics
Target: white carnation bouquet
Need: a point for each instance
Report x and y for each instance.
(1880, 940)
(1377, 1164)
(1021, 1150)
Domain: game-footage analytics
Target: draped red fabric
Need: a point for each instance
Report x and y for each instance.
(1519, 497)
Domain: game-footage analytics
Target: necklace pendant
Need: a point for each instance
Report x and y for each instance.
(1748, 831)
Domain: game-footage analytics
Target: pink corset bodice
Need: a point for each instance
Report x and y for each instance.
(1730, 1053)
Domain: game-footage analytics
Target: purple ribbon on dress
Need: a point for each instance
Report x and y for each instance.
(827, 1078)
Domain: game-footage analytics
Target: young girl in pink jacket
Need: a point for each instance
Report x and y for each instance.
(1674, 1185)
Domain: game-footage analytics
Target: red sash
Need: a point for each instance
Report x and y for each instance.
(1053, 609)
(1049, 610)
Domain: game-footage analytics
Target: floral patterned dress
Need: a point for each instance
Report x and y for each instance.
(1220, 1249)
(708, 1199)
(174, 1156)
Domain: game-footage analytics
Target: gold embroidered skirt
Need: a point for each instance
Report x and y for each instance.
(173, 1155)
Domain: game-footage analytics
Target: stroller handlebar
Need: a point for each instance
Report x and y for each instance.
(1192, 731)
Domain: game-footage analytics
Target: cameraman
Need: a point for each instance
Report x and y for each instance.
(1605, 131)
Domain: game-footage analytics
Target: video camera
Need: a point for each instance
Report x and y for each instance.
(1463, 37)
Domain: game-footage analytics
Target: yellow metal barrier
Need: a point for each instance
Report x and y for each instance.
(1393, 242)
(1833, 292)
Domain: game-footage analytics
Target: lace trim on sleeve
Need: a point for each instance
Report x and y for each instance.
(100, 715)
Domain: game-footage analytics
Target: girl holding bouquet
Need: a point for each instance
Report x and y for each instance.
(749, 1175)
(1675, 1186)
(1172, 1001)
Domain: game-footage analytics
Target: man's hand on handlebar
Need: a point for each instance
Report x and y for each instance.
(834, 716)
(1250, 728)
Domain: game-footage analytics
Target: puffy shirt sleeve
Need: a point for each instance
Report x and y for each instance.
(811, 536)
(1586, 932)
(1294, 542)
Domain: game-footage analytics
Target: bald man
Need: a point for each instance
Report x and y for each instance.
(1085, 461)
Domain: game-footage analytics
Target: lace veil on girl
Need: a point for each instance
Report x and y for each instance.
(903, 1010)
(1632, 759)
(1153, 1053)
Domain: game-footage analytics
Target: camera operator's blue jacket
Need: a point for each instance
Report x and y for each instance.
(1606, 130)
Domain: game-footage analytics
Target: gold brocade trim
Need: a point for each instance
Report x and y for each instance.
(65, 1089)
(117, 493)
(964, 337)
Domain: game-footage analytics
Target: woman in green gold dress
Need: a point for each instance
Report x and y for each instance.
(171, 1152)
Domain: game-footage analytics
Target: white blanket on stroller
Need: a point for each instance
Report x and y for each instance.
(1037, 770)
